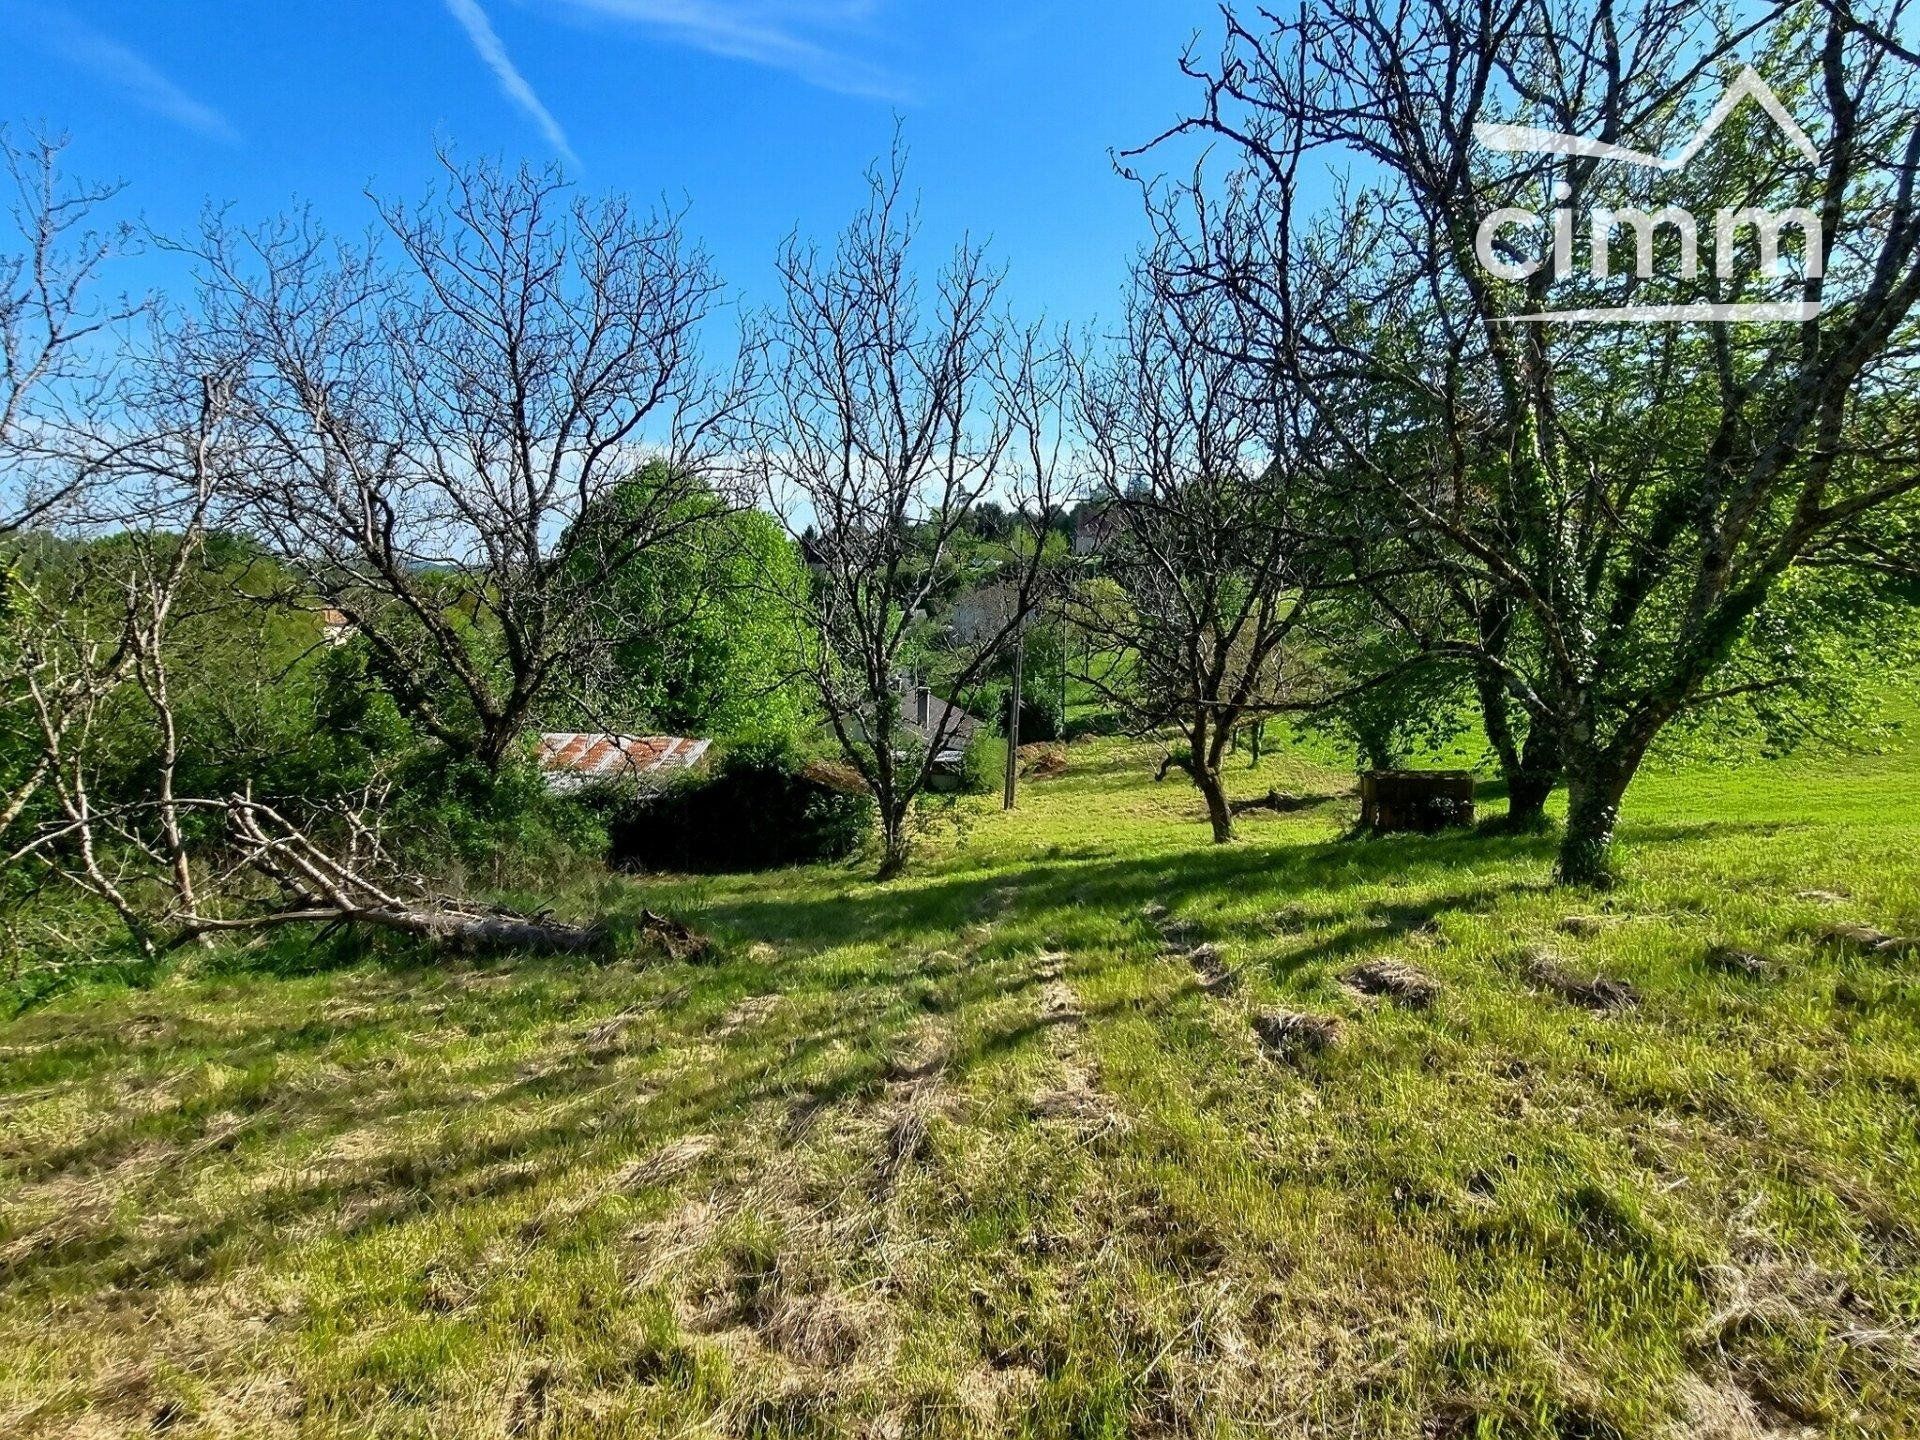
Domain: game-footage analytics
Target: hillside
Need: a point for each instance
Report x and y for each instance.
(998, 1149)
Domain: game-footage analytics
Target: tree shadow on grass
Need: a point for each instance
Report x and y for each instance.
(290, 954)
(1640, 833)
(1060, 894)
(1377, 924)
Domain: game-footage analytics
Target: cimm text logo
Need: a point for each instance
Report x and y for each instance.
(1609, 229)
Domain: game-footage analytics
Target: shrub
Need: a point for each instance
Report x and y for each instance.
(759, 808)
(1041, 717)
(984, 770)
(452, 818)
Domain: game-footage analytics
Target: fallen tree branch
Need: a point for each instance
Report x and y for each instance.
(454, 928)
(318, 887)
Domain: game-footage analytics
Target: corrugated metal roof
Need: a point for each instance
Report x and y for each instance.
(574, 760)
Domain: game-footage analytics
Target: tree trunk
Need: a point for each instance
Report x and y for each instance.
(1530, 767)
(486, 932)
(1527, 792)
(1595, 785)
(1531, 780)
(493, 747)
(893, 843)
(1219, 812)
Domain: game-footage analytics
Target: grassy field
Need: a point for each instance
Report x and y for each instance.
(991, 1150)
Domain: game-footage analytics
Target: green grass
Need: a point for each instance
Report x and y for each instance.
(974, 1153)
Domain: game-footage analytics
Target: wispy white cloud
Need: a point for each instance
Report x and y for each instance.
(127, 71)
(807, 38)
(486, 41)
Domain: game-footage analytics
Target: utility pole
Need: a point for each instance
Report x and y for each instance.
(1013, 717)
(1063, 672)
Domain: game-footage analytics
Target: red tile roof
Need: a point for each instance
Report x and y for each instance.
(573, 760)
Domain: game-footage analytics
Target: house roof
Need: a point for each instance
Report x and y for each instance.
(573, 761)
(958, 726)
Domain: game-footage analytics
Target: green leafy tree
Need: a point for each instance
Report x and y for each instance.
(701, 634)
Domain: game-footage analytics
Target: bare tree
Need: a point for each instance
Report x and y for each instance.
(56, 330)
(422, 437)
(1209, 572)
(93, 634)
(1614, 503)
(892, 412)
(96, 663)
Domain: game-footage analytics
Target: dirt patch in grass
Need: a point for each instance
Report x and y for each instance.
(1178, 935)
(1720, 1408)
(905, 1140)
(667, 1163)
(1732, 960)
(1289, 1036)
(747, 1014)
(1216, 976)
(1059, 1005)
(918, 1054)
(1787, 1341)
(1394, 980)
(1076, 1100)
(527, 1410)
(823, 1329)
(1587, 926)
(1043, 761)
(1866, 939)
(1290, 920)
(1599, 992)
(618, 1034)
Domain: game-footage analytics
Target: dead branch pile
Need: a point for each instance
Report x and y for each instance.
(1043, 761)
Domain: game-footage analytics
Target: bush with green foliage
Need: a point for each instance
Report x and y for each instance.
(984, 770)
(1395, 723)
(1811, 670)
(457, 820)
(758, 808)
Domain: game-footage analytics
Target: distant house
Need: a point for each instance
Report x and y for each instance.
(930, 718)
(926, 718)
(575, 761)
(335, 628)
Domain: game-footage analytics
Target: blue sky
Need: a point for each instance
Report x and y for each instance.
(760, 113)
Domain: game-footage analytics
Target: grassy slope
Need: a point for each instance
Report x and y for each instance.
(972, 1153)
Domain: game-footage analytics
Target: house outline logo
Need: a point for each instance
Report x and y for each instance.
(1766, 225)
(1749, 86)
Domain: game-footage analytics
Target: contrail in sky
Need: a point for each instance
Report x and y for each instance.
(481, 32)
